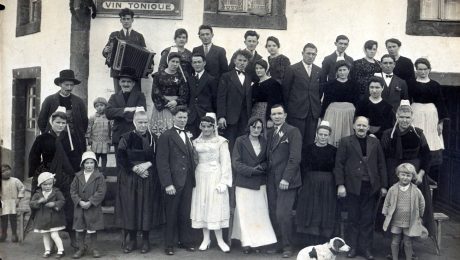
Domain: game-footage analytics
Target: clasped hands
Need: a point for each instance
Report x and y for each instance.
(142, 169)
(84, 204)
(342, 191)
(50, 204)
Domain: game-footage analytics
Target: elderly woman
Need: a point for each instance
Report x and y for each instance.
(251, 223)
(340, 98)
(180, 39)
(57, 151)
(169, 89)
(316, 207)
(363, 69)
(266, 93)
(138, 202)
(278, 62)
(213, 174)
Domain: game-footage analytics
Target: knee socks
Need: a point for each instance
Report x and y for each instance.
(57, 241)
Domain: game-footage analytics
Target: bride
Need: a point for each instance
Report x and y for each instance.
(210, 199)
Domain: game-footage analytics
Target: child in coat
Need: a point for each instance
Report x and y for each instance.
(98, 135)
(88, 191)
(12, 191)
(49, 216)
(403, 209)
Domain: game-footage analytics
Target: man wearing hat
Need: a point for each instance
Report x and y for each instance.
(77, 115)
(122, 105)
(126, 34)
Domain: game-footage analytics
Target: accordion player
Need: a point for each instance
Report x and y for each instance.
(125, 54)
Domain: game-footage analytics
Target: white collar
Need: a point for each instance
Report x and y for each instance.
(375, 101)
(340, 55)
(423, 80)
(182, 129)
(199, 74)
(207, 45)
(404, 188)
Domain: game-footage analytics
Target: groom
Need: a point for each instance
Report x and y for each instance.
(176, 169)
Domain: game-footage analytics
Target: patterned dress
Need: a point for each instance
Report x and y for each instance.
(166, 87)
(99, 133)
(362, 72)
(211, 209)
(185, 60)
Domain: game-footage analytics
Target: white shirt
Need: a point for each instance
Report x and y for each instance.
(87, 175)
(199, 74)
(387, 79)
(181, 134)
(127, 31)
(207, 46)
(241, 76)
(340, 56)
(307, 67)
(46, 194)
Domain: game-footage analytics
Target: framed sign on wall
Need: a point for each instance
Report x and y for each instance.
(166, 9)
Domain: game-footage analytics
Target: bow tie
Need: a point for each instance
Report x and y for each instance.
(239, 72)
(179, 130)
(388, 76)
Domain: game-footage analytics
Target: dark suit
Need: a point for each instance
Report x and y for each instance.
(216, 64)
(134, 38)
(176, 167)
(328, 73)
(284, 154)
(395, 92)
(201, 100)
(250, 68)
(79, 116)
(302, 97)
(244, 161)
(350, 170)
(234, 103)
(123, 121)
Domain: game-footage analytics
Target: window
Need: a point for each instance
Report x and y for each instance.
(28, 17)
(440, 10)
(261, 14)
(433, 18)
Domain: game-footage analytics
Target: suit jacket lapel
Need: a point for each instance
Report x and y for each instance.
(247, 144)
(235, 78)
(178, 140)
(201, 83)
(121, 99)
(357, 146)
(278, 140)
(303, 71)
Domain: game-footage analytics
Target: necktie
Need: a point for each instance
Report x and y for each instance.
(389, 76)
(197, 77)
(179, 130)
(127, 33)
(206, 50)
(309, 70)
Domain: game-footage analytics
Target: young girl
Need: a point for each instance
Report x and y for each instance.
(49, 216)
(88, 191)
(403, 209)
(11, 192)
(99, 131)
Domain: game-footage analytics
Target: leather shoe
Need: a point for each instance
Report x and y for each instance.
(186, 247)
(351, 253)
(368, 255)
(145, 247)
(246, 250)
(287, 253)
(131, 245)
(169, 251)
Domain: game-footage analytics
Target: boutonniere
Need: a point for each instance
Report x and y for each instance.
(398, 88)
(189, 135)
(281, 134)
(285, 141)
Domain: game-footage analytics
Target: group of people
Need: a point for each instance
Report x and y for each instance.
(242, 145)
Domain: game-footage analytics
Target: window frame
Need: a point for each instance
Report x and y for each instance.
(26, 21)
(416, 26)
(276, 20)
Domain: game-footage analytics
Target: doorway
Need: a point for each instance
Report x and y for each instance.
(26, 105)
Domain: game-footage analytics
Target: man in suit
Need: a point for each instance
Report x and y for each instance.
(75, 107)
(122, 105)
(216, 57)
(251, 40)
(234, 99)
(328, 65)
(302, 94)
(404, 68)
(395, 88)
(360, 174)
(284, 148)
(127, 34)
(176, 170)
(202, 86)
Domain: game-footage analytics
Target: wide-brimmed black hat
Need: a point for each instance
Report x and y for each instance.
(2, 7)
(127, 72)
(66, 75)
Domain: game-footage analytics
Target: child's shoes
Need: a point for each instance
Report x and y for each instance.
(60, 255)
(47, 254)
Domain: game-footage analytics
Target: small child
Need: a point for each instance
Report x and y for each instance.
(49, 216)
(403, 209)
(12, 191)
(99, 134)
(88, 191)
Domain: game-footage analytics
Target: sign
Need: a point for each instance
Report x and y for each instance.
(169, 9)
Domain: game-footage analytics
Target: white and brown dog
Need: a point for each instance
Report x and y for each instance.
(327, 251)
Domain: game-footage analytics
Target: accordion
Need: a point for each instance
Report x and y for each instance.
(124, 54)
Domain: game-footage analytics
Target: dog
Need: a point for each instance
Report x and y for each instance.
(326, 251)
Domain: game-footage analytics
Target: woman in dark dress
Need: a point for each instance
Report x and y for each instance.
(378, 111)
(139, 204)
(169, 89)
(58, 152)
(363, 69)
(278, 62)
(340, 98)
(316, 207)
(266, 93)
(180, 39)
